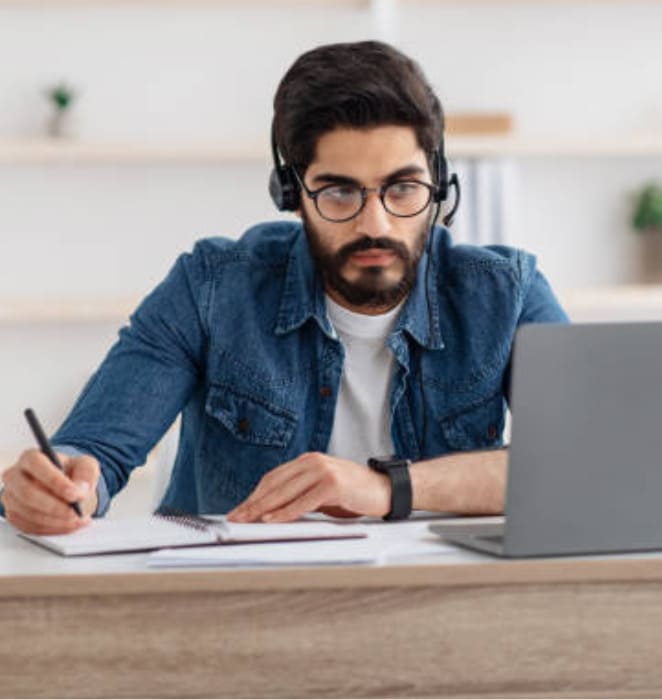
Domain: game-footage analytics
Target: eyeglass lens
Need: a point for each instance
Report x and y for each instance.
(402, 198)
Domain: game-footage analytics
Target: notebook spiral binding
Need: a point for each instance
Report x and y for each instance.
(181, 517)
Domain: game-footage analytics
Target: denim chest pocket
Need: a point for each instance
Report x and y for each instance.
(251, 420)
(245, 436)
(479, 425)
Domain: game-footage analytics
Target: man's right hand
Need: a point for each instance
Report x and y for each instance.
(37, 496)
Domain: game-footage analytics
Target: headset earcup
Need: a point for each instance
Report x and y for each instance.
(276, 189)
(284, 189)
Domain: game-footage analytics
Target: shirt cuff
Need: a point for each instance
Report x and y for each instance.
(103, 498)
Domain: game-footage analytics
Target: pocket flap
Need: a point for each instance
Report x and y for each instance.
(479, 425)
(249, 419)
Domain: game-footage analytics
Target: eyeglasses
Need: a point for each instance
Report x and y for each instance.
(342, 202)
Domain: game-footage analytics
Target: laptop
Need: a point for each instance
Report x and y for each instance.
(585, 460)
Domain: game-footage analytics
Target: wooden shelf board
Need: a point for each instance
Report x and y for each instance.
(53, 152)
(50, 152)
(66, 310)
(646, 299)
(644, 295)
(619, 145)
(187, 3)
(623, 303)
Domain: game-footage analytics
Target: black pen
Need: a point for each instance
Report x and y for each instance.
(46, 448)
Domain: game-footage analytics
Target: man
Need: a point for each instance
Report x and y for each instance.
(302, 350)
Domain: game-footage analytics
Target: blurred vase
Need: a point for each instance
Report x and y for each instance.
(650, 256)
(60, 124)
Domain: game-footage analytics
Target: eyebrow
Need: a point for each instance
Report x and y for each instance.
(333, 178)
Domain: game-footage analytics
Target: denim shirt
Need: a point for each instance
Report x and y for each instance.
(237, 339)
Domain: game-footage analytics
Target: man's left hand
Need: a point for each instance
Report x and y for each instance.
(316, 482)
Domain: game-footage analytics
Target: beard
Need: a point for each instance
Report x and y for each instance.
(372, 288)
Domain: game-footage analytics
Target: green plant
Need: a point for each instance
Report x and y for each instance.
(61, 96)
(648, 212)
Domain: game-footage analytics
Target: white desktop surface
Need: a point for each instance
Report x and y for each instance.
(19, 557)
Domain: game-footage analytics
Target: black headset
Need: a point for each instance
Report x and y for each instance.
(285, 189)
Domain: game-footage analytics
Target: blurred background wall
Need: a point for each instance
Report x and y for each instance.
(167, 141)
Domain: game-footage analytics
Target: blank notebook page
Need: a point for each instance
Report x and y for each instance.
(153, 532)
(128, 534)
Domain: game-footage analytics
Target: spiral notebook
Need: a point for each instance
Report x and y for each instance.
(166, 530)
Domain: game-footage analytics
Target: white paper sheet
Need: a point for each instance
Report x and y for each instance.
(315, 553)
(385, 543)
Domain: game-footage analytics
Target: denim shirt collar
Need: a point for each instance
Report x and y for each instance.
(303, 293)
(303, 298)
(423, 325)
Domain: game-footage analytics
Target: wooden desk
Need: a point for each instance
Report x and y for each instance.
(469, 625)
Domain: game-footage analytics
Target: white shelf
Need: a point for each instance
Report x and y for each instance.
(188, 3)
(612, 145)
(53, 152)
(616, 303)
(66, 311)
(165, 3)
(634, 302)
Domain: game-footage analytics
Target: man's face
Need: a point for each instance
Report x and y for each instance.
(369, 262)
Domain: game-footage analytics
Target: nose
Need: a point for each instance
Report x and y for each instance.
(373, 220)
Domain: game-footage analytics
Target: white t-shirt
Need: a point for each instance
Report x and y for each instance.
(361, 425)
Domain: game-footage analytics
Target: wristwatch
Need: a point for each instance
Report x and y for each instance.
(397, 471)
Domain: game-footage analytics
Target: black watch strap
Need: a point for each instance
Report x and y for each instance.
(401, 495)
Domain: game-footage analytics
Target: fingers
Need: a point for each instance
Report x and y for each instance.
(279, 476)
(269, 481)
(28, 494)
(275, 494)
(290, 484)
(38, 496)
(305, 503)
(35, 464)
(35, 522)
(84, 471)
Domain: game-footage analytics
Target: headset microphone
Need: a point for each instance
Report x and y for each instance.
(444, 183)
(453, 182)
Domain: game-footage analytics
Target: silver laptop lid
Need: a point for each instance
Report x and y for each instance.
(585, 471)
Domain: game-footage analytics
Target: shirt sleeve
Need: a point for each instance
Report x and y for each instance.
(145, 380)
(539, 305)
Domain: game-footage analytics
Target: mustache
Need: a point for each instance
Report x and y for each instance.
(367, 243)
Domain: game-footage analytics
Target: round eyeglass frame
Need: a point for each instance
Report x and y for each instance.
(314, 194)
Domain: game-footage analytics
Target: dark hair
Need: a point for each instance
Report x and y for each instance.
(356, 85)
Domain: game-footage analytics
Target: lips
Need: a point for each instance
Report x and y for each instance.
(374, 257)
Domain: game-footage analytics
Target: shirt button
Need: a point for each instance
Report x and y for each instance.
(325, 392)
(492, 432)
(243, 425)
